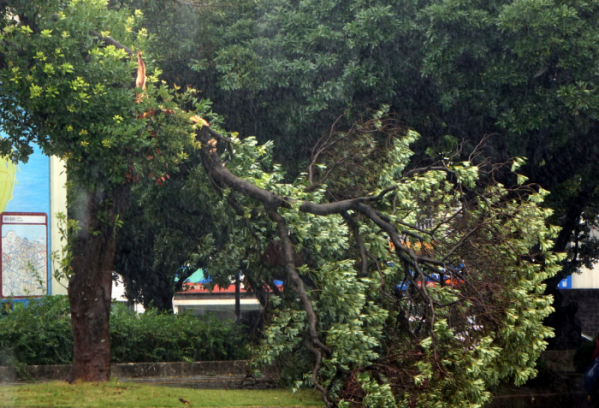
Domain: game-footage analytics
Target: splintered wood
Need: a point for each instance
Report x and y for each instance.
(140, 82)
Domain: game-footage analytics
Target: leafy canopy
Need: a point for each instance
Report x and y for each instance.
(70, 92)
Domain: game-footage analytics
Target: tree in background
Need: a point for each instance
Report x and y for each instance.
(163, 224)
(520, 75)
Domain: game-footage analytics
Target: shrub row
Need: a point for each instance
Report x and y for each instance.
(41, 334)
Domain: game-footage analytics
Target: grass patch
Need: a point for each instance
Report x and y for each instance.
(130, 395)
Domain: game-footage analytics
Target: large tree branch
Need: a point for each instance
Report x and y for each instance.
(295, 277)
(427, 168)
(215, 168)
(315, 371)
(271, 202)
(223, 176)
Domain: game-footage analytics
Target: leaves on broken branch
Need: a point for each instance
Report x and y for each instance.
(453, 275)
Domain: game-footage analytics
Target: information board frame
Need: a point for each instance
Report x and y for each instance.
(5, 220)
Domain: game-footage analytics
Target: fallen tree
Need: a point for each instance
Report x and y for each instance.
(455, 307)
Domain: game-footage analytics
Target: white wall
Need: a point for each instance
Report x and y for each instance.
(58, 204)
(118, 294)
(588, 279)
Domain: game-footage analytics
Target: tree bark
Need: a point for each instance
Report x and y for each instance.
(90, 286)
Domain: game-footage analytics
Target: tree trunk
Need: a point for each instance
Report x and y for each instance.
(90, 286)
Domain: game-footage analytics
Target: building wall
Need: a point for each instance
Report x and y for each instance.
(118, 295)
(58, 204)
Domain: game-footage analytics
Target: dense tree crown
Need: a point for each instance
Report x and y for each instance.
(417, 286)
(69, 91)
(519, 74)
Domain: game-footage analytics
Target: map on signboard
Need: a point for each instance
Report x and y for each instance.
(24, 259)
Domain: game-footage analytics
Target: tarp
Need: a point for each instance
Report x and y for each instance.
(197, 277)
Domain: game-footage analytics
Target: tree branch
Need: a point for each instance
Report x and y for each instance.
(239, 211)
(361, 247)
(425, 169)
(111, 41)
(294, 276)
(315, 371)
(215, 168)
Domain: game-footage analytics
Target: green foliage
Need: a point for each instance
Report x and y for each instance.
(77, 101)
(161, 226)
(482, 56)
(61, 260)
(377, 395)
(485, 330)
(154, 336)
(519, 74)
(41, 333)
(442, 346)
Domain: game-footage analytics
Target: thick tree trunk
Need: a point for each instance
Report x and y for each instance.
(90, 286)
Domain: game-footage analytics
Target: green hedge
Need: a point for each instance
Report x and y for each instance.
(41, 334)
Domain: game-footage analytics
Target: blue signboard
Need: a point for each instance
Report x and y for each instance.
(565, 283)
(31, 192)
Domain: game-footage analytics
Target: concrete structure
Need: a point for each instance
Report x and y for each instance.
(583, 288)
(588, 307)
(197, 299)
(38, 188)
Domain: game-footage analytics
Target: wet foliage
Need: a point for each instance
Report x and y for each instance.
(41, 333)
